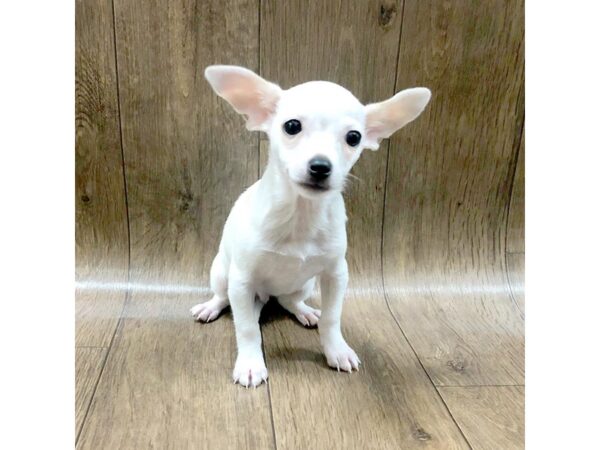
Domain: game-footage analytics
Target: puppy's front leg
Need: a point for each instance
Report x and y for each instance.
(333, 288)
(250, 369)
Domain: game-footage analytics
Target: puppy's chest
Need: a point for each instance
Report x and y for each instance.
(301, 244)
(278, 273)
(286, 266)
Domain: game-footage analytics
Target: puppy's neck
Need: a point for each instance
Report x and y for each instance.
(285, 215)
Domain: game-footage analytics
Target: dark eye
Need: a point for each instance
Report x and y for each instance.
(353, 138)
(292, 127)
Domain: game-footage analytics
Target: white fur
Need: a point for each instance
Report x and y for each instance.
(280, 236)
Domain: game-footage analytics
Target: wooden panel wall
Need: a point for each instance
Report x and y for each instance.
(339, 49)
(101, 216)
(432, 214)
(449, 184)
(102, 245)
(186, 159)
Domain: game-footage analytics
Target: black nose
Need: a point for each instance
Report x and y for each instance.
(319, 168)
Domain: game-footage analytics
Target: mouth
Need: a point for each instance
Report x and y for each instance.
(314, 187)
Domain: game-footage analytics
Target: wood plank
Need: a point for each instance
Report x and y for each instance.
(390, 403)
(448, 187)
(167, 384)
(88, 364)
(515, 239)
(101, 216)
(187, 156)
(98, 306)
(337, 39)
(491, 417)
(187, 153)
(516, 278)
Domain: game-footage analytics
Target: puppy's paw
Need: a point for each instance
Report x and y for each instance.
(341, 357)
(208, 311)
(250, 371)
(307, 315)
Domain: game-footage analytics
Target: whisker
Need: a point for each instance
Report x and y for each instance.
(354, 177)
(349, 180)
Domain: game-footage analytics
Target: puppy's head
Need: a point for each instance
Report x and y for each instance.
(317, 129)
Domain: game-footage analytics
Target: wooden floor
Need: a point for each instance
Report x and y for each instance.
(150, 377)
(435, 307)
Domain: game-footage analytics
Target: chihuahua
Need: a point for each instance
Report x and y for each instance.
(289, 228)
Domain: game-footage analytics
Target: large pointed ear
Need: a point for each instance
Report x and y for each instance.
(248, 93)
(387, 117)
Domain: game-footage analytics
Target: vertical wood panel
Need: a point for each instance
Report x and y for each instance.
(187, 158)
(354, 44)
(187, 153)
(390, 403)
(448, 190)
(101, 217)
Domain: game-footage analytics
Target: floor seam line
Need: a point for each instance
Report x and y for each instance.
(421, 364)
(269, 393)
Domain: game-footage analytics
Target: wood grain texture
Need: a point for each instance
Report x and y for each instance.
(88, 364)
(391, 390)
(515, 239)
(430, 221)
(187, 153)
(516, 278)
(448, 188)
(101, 216)
(167, 384)
(187, 158)
(389, 404)
(491, 417)
(333, 40)
(98, 307)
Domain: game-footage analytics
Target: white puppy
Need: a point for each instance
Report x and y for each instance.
(289, 228)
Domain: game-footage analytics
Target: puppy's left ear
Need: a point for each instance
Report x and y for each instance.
(248, 93)
(387, 117)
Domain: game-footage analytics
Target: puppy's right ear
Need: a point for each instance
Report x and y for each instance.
(385, 118)
(248, 93)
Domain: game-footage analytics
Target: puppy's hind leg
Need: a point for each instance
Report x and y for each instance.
(296, 304)
(210, 310)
